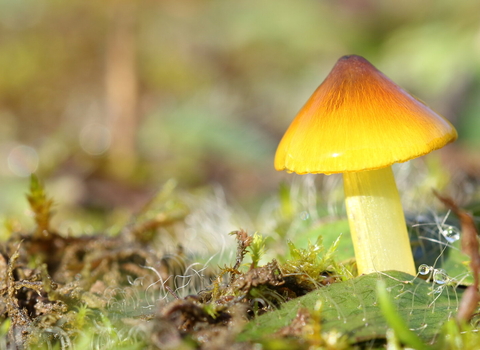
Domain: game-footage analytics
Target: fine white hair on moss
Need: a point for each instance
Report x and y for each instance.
(206, 227)
(313, 197)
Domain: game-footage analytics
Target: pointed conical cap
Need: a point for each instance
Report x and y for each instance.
(356, 120)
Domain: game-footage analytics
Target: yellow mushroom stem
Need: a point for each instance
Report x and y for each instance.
(377, 223)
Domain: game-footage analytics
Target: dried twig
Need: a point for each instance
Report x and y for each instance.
(470, 246)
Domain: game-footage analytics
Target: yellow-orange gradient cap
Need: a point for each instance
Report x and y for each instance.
(358, 119)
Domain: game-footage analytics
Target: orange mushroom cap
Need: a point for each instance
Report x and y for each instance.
(358, 119)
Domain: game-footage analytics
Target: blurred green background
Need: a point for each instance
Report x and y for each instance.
(107, 100)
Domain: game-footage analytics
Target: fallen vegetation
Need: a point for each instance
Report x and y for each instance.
(102, 291)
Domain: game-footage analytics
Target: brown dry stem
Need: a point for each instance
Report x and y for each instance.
(470, 246)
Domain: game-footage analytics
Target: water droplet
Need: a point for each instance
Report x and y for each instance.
(451, 234)
(424, 269)
(304, 215)
(440, 276)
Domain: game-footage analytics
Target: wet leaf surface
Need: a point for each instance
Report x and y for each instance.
(352, 308)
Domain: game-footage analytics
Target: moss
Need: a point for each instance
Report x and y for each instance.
(121, 292)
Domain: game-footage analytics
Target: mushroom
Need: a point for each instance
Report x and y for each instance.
(358, 122)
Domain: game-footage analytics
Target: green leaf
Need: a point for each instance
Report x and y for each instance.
(352, 307)
(396, 321)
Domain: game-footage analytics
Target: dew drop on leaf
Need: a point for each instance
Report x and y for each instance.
(440, 276)
(424, 269)
(451, 234)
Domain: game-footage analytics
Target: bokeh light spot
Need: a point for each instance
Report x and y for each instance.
(23, 160)
(95, 139)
